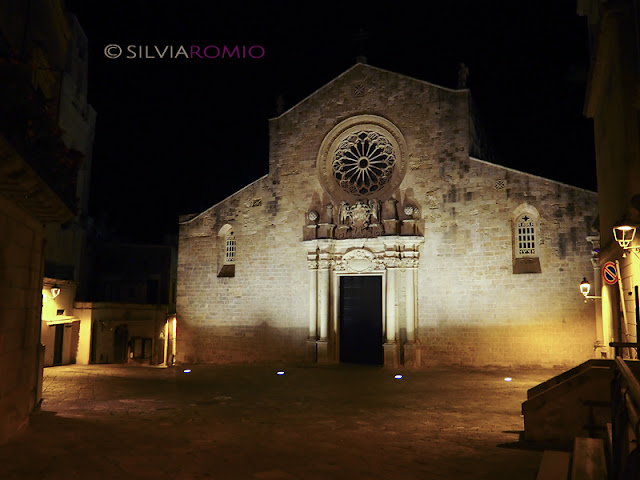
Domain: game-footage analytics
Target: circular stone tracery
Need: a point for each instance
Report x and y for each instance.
(362, 158)
(363, 162)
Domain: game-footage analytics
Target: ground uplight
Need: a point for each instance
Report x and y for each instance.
(398, 377)
(187, 370)
(507, 379)
(280, 373)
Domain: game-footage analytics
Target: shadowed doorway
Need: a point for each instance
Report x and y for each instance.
(361, 319)
(58, 345)
(120, 344)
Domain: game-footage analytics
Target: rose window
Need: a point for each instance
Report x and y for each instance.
(363, 162)
(362, 157)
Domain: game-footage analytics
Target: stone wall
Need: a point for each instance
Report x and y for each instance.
(21, 246)
(472, 308)
(260, 313)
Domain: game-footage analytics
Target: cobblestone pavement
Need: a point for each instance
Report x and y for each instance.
(247, 422)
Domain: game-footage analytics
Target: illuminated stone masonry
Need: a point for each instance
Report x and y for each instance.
(376, 238)
(363, 162)
(388, 257)
(363, 219)
(362, 157)
(360, 164)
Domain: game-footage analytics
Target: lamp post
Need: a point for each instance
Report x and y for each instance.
(585, 288)
(624, 233)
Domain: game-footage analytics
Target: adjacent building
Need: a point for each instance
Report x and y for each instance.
(38, 173)
(377, 237)
(613, 102)
(67, 261)
(130, 318)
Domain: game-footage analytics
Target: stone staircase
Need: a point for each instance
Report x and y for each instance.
(586, 461)
(576, 403)
(570, 416)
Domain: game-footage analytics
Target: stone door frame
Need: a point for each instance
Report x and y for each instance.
(393, 257)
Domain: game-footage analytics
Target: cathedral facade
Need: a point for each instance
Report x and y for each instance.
(377, 238)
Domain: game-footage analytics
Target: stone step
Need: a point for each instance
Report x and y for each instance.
(588, 459)
(577, 406)
(564, 376)
(554, 465)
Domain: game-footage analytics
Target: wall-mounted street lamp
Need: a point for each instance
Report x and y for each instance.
(55, 291)
(585, 288)
(624, 233)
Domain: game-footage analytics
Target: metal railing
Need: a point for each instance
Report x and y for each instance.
(625, 423)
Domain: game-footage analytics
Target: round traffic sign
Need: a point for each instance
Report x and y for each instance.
(609, 273)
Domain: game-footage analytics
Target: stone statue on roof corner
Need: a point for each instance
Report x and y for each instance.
(463, 76)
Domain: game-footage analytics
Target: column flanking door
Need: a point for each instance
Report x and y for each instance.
(361, 319)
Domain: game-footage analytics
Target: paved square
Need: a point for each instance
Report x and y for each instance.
(247, 422)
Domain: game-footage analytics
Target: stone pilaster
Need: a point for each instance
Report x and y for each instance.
(390, 346)
(311, 354)
(323, 351)
(411, 349)
(390, 355)
(412, 355)
(311, 350)
(313, 299)
(323, 307)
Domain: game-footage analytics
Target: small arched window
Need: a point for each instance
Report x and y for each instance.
(230, 249)
(526, 236)
(228, 246)
(526, 239)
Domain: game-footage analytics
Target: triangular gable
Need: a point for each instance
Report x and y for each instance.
(359, 67)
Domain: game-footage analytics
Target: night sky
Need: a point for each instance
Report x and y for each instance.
(175, 136)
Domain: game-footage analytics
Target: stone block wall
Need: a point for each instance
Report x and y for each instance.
(467, 287)
(260, 313)
(472, 308)
(21, 264)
